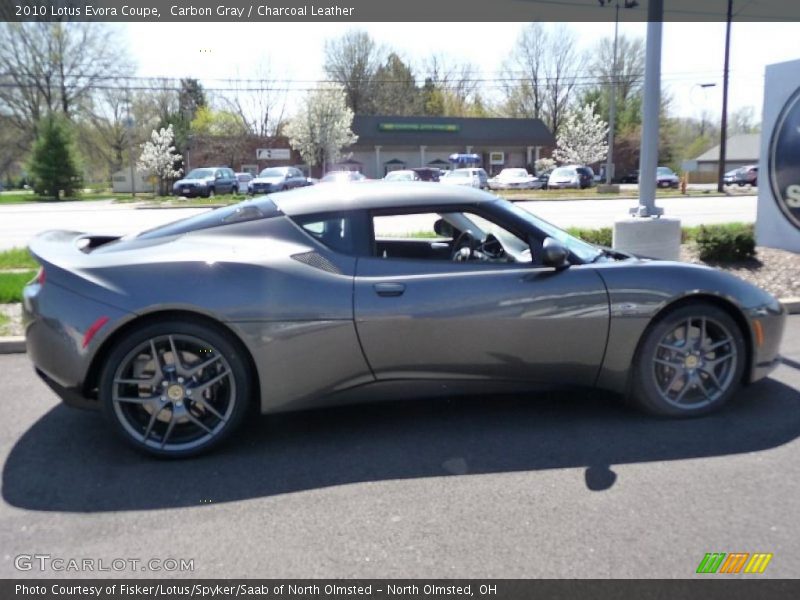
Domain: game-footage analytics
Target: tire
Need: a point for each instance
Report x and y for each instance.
(210, 193)
(674, 376)
(235, 190)
(178, 410)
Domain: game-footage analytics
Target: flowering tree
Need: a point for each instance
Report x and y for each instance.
(321, 128)
(582, 138)
(158, 157)
(543, 165)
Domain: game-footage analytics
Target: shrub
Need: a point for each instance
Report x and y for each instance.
(601, 237)
(726, 243)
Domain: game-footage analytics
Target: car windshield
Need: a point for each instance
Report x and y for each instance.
(200, 174)
(664, 171)
(564, 172)
(508, 173)
(272, 172)
(583, 250)
(458, 174)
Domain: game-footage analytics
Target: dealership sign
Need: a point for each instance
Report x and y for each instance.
(784, 160)
(417, 127)
(778, 222)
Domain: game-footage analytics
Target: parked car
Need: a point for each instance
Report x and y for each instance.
(277, 179)
(291, 301)
(571, 176)
(667, 178)
(630, 177)
(730, 177)
(543, 178)
(402, 175)
(747, 176)
(470, 176)
(207, 182)
(428, 173)
(514, 179)
(342, 177)
(244, 179)
(586, 176)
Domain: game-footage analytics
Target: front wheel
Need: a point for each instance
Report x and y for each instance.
(175, 388)
(690, 362)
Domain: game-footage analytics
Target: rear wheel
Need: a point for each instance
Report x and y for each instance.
(210, 193)
(690, 362)
(175, 388)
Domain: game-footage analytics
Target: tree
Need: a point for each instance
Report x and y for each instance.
(582, 139)
(743, 120)
(352, 61)
(451, 89)
(54, 66)
(53, 162)
(396, 91)
(158, 157)
(261, 108)
(321, 128)
(541, 74)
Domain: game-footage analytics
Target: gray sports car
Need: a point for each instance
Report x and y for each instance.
(309, 297)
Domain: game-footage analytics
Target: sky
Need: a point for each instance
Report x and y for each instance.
(692, 53)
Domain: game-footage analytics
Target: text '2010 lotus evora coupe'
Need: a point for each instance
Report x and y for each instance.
(308, 298)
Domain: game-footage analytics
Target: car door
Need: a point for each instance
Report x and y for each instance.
(442, 319)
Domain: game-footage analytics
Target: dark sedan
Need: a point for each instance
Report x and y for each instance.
(307, 298)
(277, 179)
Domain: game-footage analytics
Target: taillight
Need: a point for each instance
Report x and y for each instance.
(40, 276)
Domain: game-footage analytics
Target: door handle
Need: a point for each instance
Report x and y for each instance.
(388, 290)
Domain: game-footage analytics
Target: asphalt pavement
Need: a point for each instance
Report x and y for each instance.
(20, 222)
(547, 485)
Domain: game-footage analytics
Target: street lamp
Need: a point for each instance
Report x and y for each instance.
(704, 87)
(612, 94)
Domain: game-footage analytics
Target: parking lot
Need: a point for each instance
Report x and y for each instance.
(559, 484)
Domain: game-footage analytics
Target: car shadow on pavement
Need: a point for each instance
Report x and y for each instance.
(70, 461)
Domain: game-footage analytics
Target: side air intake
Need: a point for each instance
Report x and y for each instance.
(313, 259)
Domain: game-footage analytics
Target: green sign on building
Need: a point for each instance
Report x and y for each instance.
(440, 127)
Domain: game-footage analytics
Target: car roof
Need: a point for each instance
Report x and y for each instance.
(374, 194)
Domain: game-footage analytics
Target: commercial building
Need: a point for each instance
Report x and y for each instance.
(390, 143)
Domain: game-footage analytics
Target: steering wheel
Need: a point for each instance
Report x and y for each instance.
(463, 246)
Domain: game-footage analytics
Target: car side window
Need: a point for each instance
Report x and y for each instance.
(334, 231)
(439, 236)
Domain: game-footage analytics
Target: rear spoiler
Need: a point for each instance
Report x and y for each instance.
(67, 248)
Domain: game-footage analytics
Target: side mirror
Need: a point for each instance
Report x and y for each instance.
(554, 254)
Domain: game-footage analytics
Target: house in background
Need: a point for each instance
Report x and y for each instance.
(741, 150)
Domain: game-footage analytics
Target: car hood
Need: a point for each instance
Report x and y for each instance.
(193, 181)
(269, 180)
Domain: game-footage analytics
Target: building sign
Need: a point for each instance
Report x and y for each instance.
(416, 127)
(778, 216)
(273, 154)
(784, 160)
(497, 158)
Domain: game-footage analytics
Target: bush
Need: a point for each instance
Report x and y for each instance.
(726, 243)
(600, 237)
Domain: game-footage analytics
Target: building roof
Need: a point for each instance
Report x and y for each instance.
(739, 148)
(376, 130)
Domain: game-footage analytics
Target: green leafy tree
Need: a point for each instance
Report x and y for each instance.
(54, 163)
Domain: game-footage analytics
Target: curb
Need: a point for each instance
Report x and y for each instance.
(12, 345)
(16, 344)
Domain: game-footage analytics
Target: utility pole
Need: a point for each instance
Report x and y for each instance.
(129, 127)
(612, 93)
(723, 134)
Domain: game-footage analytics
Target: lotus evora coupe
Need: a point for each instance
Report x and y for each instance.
(319, 296)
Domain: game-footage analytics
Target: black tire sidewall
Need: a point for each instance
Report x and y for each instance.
(218, 339)
(643, 390)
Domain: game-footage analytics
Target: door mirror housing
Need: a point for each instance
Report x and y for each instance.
(554, 254)
(443, 228)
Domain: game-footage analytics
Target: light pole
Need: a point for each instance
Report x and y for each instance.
(723, 134)
(612, 93)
